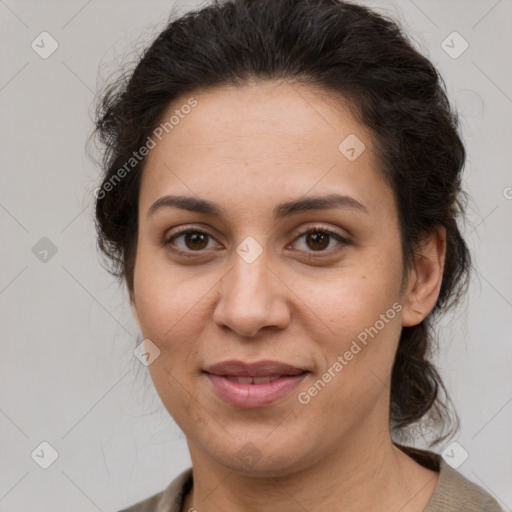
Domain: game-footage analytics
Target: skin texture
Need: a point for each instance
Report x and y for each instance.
(248, 149)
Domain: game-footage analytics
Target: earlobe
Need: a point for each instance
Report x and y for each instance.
(425, 278)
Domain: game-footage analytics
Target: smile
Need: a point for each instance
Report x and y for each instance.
(249, 392)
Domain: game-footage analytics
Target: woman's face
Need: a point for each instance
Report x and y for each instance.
(252, 284)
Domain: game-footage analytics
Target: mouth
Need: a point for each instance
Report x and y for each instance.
(264, 368)
(252, 380)
(249, 385)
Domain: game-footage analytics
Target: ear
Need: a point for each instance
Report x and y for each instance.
(425, 278)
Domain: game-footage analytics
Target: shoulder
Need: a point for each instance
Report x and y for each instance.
(454, 492)
(168, 500)
(148, 505)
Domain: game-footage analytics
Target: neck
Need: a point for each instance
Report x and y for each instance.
(374, 476)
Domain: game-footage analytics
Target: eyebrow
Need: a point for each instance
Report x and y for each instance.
(281, 211)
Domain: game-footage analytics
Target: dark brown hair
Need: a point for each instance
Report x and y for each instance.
(336, 47)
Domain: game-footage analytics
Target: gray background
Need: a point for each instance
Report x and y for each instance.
(68, 374)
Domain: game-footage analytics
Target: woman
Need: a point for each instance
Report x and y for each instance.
(281, 193)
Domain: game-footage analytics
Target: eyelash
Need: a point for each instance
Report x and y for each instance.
(314, 229)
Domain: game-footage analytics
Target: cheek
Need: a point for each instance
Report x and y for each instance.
(356, 367)
(170, 308)
(166, 297)
(361, 325)
(352, 298)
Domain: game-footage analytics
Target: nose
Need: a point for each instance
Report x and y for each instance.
(252, 297)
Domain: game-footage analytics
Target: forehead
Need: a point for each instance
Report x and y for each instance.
(261, 142)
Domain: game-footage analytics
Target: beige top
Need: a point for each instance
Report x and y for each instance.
(453, 492)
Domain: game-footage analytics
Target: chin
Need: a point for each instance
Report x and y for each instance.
(262, 456)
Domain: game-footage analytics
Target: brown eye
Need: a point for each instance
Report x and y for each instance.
(196, 241)
(192, 240)
(319, 239)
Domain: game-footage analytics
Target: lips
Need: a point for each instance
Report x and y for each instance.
(257, 369)
(254, 384)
